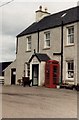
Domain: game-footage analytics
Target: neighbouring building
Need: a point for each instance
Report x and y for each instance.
(50, 37)
(3, 65)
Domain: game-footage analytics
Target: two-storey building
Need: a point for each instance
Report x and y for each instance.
(51, 36)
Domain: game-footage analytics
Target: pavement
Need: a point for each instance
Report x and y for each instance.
(38, 102)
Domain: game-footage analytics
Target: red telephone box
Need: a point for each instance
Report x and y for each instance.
(51, 73)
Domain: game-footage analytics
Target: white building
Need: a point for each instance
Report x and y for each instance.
(51, 36)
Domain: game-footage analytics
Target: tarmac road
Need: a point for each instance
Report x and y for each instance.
(38, 102)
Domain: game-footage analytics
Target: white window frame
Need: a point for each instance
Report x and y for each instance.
(29, 43)
(70, 36)
(27, 68)
(46, 39)
(70, 72)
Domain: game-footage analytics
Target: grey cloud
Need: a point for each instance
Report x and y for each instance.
(8, 48)
(15, 18)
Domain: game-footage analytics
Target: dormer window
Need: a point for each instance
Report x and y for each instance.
(47, 40)
(29, 43)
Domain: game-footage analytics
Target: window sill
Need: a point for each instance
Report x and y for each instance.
(46, 48)
(70, 45)
(70, 79)
(28, 51)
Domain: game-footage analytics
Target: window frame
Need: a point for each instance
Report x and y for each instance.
(70, 36)
(27, 69)
(28, 43)
(46, 39)
(71, 71)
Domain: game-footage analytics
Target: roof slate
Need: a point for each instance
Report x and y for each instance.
(54, 20)
(40, 57)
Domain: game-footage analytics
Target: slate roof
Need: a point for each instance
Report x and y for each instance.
(52, 21)
(40, 57)
(3, 65)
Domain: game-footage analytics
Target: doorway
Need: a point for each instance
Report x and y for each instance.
(13, 76)
(35, 74)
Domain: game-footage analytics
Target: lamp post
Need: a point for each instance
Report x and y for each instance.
(62, 46)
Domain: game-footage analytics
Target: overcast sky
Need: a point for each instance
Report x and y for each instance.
(18, 15)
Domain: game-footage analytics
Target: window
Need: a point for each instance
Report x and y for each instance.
(70, 69)
(28, 70)
(29, 43)
(46, 39)
(70, 39)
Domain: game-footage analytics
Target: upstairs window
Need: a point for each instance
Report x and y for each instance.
(70, 35)
(46, 39)
(29, 43)
(70, 69)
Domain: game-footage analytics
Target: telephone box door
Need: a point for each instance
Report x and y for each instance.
(52, 74)
(55, 74)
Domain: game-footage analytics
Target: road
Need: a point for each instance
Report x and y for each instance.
(38, 102)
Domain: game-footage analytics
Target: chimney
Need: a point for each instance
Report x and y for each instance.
(45, 9)
(40, 14)
(78, 3)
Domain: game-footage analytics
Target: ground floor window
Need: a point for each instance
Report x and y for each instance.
(70, 69)
(27, 69)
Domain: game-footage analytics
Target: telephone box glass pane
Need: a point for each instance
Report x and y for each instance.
(55, 74)
(47, 74)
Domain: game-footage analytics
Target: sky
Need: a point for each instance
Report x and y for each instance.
(17, 16)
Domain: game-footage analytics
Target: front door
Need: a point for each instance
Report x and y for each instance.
(13, 76)
(35, 74)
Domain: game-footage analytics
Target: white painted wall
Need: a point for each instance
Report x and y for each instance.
(7, 73)
(42, 73)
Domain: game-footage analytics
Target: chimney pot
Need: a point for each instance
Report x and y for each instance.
(40, 14)
(40, 7)
(46, 9)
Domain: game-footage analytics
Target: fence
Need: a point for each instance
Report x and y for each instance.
(1, 80)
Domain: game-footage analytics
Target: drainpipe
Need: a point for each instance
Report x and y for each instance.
(62, 46)
(61, 52)
(38, 43)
